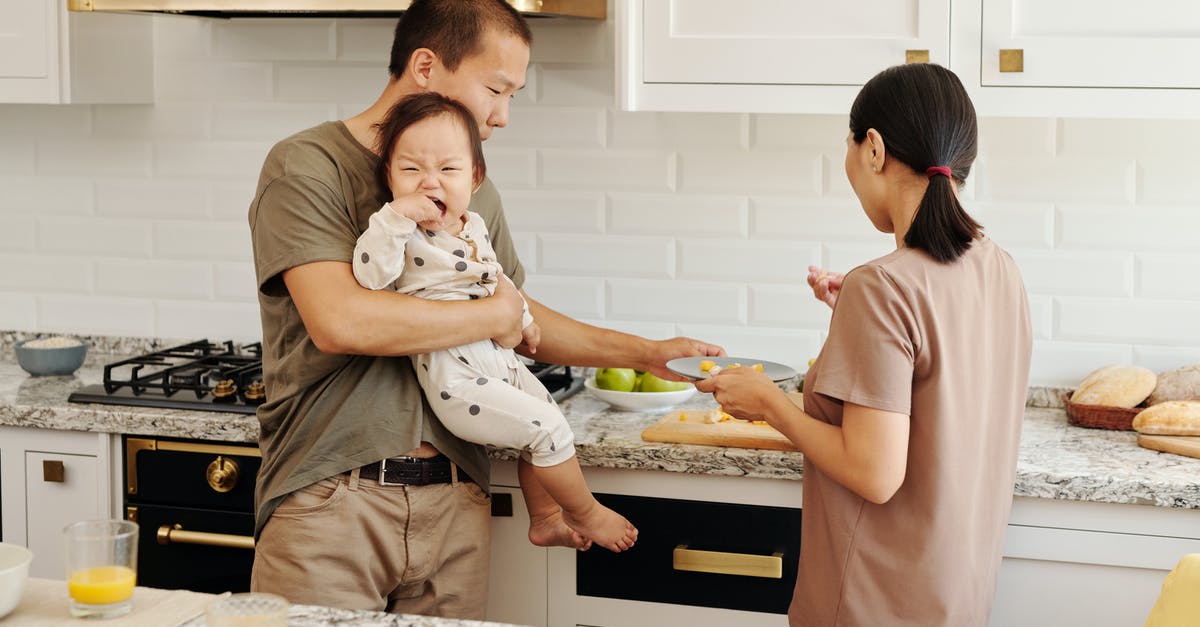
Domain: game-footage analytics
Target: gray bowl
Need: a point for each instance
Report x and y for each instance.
(50, 361)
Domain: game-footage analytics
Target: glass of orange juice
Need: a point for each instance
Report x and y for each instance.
(101, 567)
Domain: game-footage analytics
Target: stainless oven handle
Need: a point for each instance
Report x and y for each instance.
(743, 564)
(175, 534)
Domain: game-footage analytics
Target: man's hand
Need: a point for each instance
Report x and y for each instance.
(825, 285)
(532, 336)
(745, 393)
(511, 308)
(420, 209)
(663, 351)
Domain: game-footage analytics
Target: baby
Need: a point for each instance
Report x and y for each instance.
(425, 243)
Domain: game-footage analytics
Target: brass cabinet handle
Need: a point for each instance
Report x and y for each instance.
(53, 471)
(1012, 60)
(744, 564)
(175, 534)
(916, 56)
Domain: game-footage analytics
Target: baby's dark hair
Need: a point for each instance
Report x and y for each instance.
(413, 109)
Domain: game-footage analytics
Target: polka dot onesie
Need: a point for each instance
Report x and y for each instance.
(481, 392)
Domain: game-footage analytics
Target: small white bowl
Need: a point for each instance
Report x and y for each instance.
(14, 570)
(639, 401)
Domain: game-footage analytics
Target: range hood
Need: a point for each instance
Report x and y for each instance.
(593, 9)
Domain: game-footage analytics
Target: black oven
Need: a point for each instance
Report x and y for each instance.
(194, 504)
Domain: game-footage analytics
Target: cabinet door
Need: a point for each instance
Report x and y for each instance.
(59, 490)
(790, 42)
(1084, 43)
(27, 38)
(517, 581)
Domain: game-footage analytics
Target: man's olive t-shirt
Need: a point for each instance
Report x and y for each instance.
(328, 414)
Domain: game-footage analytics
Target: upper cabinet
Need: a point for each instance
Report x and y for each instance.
(1016, 57)
(50, 56)
(769, 55)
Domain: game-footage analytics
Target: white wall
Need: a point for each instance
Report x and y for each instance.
(130, 220)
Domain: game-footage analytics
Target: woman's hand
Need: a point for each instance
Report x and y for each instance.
(746, 394)
(825, 285)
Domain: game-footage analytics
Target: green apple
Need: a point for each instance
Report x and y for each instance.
(651, 383)
(616, 379)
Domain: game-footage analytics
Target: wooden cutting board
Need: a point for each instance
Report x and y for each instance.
(1177, 444)
(737, 433)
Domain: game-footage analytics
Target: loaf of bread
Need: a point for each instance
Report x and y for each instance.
(1169, 418)
(1180, 384)
(1115, 386)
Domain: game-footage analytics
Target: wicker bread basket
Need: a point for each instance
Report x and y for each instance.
(1100, 416)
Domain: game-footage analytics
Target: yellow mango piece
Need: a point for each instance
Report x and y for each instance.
(758, 367)
(706, 365)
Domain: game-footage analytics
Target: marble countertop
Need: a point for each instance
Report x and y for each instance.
(1056, 461)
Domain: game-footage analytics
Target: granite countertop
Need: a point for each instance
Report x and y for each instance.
(1056, 460)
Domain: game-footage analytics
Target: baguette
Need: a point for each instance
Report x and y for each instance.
(1115, 386)
(1169, 418)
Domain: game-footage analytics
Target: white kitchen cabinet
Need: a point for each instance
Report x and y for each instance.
(51, 56)
(1095, 564)
(797, 56)
(49, 479)
(517, 581)
(1077, 58)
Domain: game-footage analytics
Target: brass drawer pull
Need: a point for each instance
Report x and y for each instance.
(175, 534)
(744, 564)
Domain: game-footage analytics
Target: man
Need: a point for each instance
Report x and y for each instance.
(364, 500)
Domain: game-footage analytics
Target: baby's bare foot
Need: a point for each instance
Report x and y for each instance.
(604, 526)
(550, 530)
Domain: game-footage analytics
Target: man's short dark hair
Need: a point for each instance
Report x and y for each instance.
(452, 29)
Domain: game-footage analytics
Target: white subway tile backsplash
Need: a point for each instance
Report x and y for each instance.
(655, 130)
(42, 122)
(1168, 276)
(46, 273)
(18, 311)
(94, 157)
(1065, 364)
(153, 199)
(1144, 321)
(541, 211)
(677, 214)
(98, 315)
(162, 120)
(1143, 228)
(46, 196)
(274, 40)
(94, 235)
(131, 219)
(224, 241)
(613, 169)
(1076, 273)
(271, 122)
(578, 297)
(607, 255)
(235, 282)
(673, 301)
(154, 278)
(746, 260)
(755, 172)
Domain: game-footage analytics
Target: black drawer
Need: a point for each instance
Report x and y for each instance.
(204, 561)
(648, 571)
(194, 474)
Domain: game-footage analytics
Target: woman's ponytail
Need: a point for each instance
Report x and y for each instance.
(941, 226)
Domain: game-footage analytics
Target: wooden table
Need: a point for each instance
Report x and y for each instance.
(45, 604)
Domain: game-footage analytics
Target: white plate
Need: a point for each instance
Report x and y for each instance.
(690, 367)
(639, 401)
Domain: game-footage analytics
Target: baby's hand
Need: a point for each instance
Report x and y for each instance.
(532, 336)
(420, 209)
(825, 285)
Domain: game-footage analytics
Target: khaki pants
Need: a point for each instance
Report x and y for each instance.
(358, 545)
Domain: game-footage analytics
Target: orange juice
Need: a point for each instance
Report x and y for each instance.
(101, 585)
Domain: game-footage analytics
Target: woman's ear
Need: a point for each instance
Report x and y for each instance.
(420, 64)
(878, 150)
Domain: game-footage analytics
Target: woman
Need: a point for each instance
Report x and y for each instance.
(912, 411)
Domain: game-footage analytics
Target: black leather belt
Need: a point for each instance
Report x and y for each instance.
(411, 471)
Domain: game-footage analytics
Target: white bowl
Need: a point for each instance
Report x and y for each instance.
(639, 401)
(14, 570)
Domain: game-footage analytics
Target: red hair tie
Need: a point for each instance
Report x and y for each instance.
(938, 169)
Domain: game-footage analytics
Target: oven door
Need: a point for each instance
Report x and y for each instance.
(202, 550)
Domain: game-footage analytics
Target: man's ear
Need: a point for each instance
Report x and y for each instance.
(421, 64)
(878, 150)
